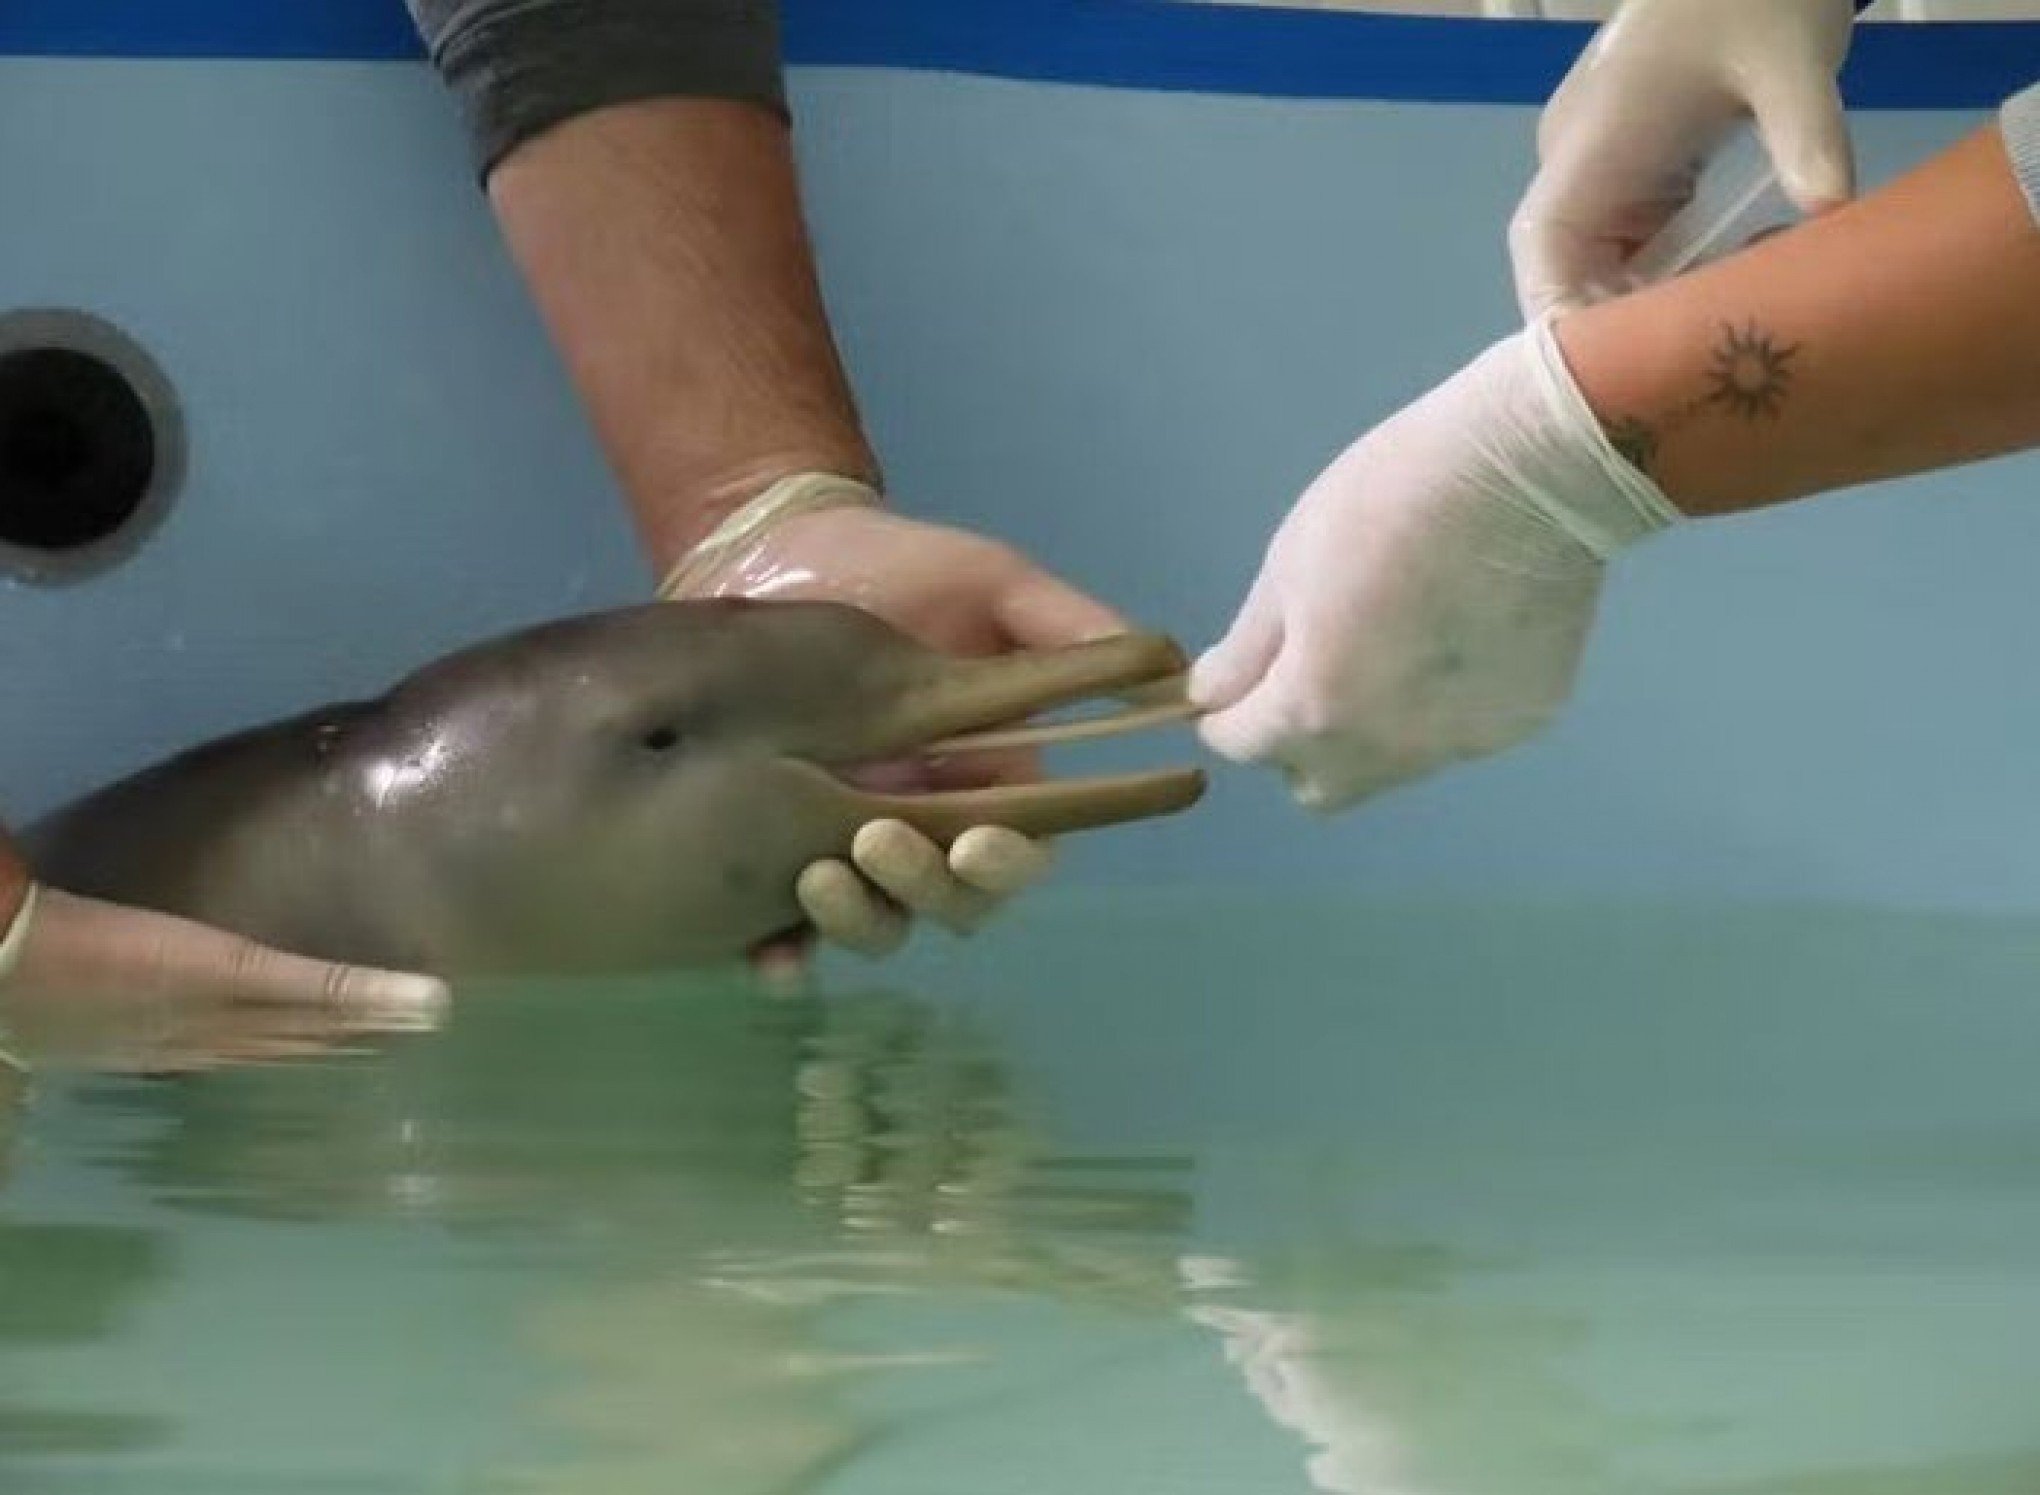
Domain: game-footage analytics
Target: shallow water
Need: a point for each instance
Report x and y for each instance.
(1155, 1196)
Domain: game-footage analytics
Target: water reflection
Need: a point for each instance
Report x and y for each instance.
(64, 1285)
(706, 1189)
(14, 1077)
(2018, 1475)
(699, 1183)
(144, 1031)
(1696, 1208)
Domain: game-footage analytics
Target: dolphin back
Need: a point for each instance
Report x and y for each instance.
(164, 838)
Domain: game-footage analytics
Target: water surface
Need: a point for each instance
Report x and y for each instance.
(1145, 1195)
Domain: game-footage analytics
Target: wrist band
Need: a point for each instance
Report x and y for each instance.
(10, 952)
(17, 933)
(1635, 505)
(803, 493)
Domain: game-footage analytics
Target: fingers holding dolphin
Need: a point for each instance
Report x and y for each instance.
(867, 904)
(906, 876)
(89, 945)
(124, 989)
(916, 875)
(845, 912)
(1000, 863)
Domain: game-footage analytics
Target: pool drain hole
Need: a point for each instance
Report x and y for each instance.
(88, 446)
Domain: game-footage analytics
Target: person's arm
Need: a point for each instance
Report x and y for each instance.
(165, 993)
(1428, 600)
(638, 156)
(664, 244)
(1893, 336)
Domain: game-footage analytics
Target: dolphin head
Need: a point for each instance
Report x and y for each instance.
(643, 787)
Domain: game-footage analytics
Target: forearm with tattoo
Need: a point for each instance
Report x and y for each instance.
(1896, 335)
(1747, 377)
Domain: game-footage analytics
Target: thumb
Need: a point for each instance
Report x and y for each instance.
(1038, 611)
(1806, 132)
(1571, 236)
(1254, 731)
(259, 974)
(1554, 263)
(1240, 683)
(84, 944)
(1235, 664)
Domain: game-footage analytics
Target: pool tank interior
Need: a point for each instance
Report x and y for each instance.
(1646, 1112)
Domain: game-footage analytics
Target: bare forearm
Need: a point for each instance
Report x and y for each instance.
(664, 244)
(639, 160)
(1897, 335)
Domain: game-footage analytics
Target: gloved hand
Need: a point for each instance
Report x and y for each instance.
(1661, 86)
(1428, 598)
(821, 537)
(119, 987)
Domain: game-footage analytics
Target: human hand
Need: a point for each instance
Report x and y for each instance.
(817, 538)
(1428, 598)
(92, 983)
(1624, 139)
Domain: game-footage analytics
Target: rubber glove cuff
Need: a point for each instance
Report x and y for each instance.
(13, 1070)
(1606, 516)
(15, 940)
(801, 493)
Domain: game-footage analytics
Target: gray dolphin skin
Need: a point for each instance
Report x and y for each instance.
(634, 790)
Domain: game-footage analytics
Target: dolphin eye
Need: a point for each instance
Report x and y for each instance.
(661, 739)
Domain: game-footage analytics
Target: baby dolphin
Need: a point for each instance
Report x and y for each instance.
(633, 790)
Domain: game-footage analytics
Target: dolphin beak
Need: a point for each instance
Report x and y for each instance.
(985, 705)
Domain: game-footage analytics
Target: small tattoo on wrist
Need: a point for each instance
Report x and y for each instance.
(1635, 442)
(1748, 377)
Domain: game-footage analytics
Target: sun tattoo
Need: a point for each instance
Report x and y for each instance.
(1750, 375)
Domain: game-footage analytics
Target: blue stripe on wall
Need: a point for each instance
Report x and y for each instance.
(1157, 44)
(375, 30)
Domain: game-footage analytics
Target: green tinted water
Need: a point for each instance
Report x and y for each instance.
(1154, 1197)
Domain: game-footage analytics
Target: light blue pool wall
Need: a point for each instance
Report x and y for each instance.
(1120, 328)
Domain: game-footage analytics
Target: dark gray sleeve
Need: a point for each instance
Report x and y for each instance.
(519, 67)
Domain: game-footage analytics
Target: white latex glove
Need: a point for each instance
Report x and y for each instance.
(1428, 598)
(1659, 89)
(117, 987)
(822, 536)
